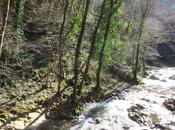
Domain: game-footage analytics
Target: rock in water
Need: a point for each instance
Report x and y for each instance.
(136, 113)
(172, 77)
(153, 77)
(170, 104)
(126, 127)
(97, 121)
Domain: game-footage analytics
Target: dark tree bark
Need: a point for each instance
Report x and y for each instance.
(107, 29)
(141, 27)
(61, 45)
(77, 54)
(93, 42)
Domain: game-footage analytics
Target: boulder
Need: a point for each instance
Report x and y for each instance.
(97, 121)
(153, 77)
(172, 77)
(169, 104)
(137, 113)
(126, 127)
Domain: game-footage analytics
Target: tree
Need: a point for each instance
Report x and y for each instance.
(61, 44)
(93, 42)
(4, 24)
(111, 12)
(77, 52)
(144, 14)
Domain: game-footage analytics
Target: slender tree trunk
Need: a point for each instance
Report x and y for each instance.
(113, 9)
(4, 26)
(77, 54)
(101, 54)
(61, 46)
(93, 42)
(136, 61)
(144, 15)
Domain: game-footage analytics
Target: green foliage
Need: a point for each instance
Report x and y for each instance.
(117, 39)
(75, 26)
(79, 109)
(21, 58)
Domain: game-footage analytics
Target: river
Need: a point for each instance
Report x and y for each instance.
(141, 107)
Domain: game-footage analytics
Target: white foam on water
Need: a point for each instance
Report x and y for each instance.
(113, 115)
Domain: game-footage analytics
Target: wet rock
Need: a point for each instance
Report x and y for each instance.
(170, 104)
(96, 111)
(126, 127)
(136, 113)
(97, 121)
(172, 77)
(144, 99)
(171, 123)
(163, 80)
(161, 127)
(153, 77)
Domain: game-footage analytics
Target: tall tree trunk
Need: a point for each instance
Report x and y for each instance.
(101, 54)
(136, 61)
(93, 42)
(77, 54)
(61, 46)
(4, 25)
(141, 27)
(138, 49)
(113, 9)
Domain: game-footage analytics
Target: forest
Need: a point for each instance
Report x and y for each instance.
(56, 56)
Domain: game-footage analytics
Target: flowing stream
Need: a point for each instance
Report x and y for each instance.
(143, 107)
(138, 108)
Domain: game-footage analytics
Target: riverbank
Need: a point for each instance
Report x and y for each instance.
(148, 106)
(24, 110)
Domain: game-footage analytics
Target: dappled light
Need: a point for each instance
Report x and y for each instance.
(87, 65)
